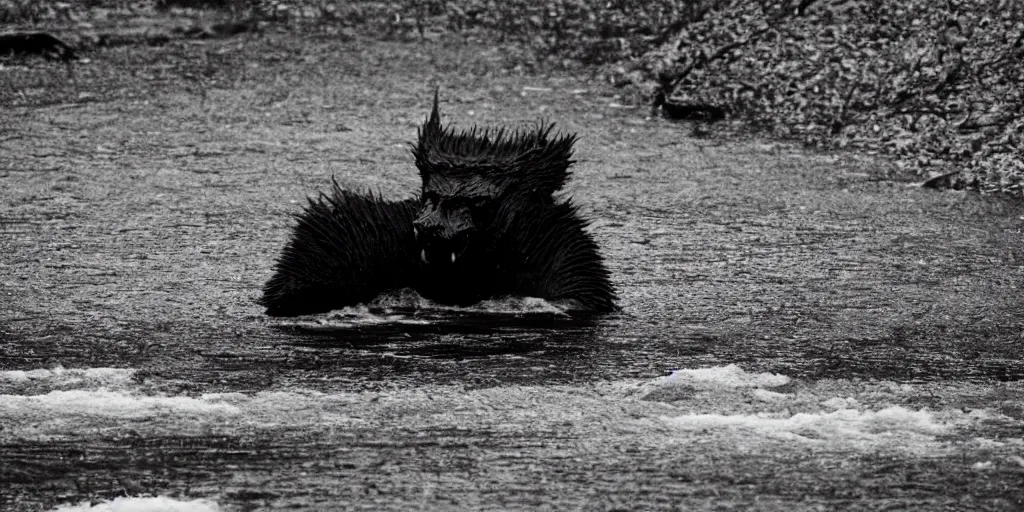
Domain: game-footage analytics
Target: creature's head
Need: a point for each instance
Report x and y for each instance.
(476, 180)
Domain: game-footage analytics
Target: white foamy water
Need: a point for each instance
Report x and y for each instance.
(22, 381)
(157, 504)
(845, 424)
(349, 319)
(718, 381)
(730, 376)
(108, 403)
(718, 414)
(724, 404)
(381, 311)
(727, 401)
(408, 298)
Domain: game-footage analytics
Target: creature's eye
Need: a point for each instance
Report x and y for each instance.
(479, 204)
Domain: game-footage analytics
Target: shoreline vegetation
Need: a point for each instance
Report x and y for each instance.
(935, 87)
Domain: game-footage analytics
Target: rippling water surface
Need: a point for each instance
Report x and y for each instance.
(798, 331)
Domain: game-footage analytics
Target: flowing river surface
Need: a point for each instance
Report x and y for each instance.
(799, 331)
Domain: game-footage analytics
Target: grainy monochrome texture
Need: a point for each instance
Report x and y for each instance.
(827, 320)
(27, 44)
(487, 226)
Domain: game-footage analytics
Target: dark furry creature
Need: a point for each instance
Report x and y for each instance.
(25, 44)
(486, 225)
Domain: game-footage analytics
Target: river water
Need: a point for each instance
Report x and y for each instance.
(798, 331)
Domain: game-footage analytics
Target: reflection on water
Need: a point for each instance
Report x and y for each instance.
(516, 341)
(447, 333)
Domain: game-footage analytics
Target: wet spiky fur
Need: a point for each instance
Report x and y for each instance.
(527, 160)
(348, 248)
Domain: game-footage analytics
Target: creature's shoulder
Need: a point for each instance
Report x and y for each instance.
(560, 259)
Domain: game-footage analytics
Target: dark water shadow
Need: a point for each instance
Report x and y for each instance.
(446, 334)
(411, 347)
